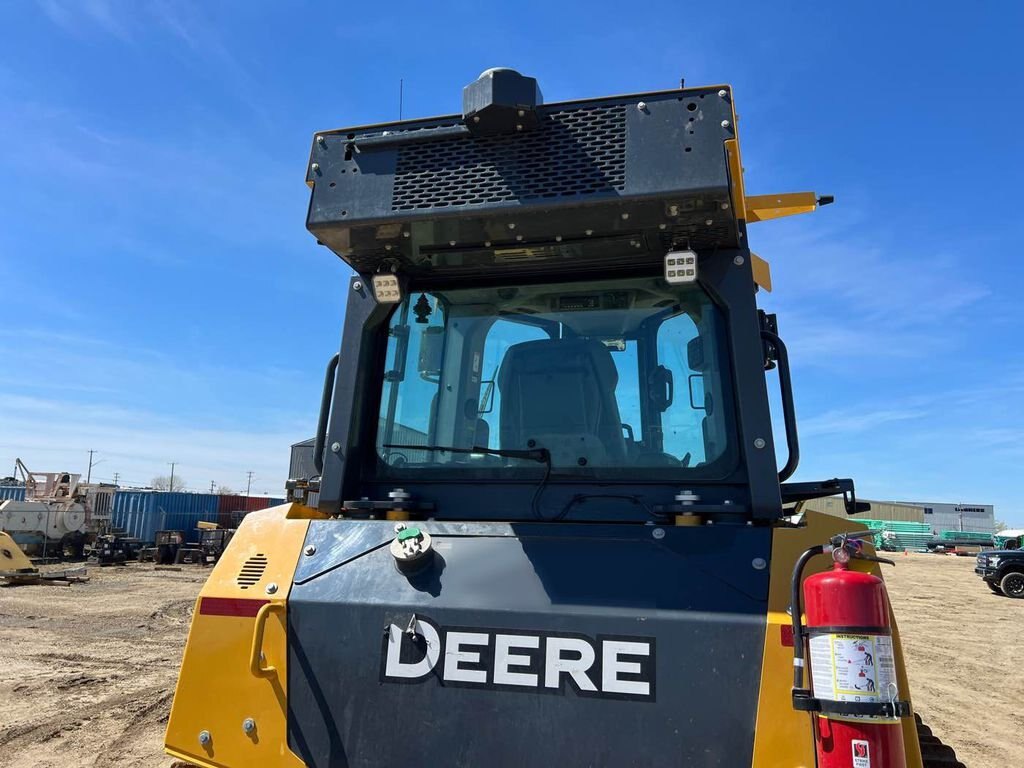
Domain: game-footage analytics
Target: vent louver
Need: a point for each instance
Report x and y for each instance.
(252, 571)
(575, 152)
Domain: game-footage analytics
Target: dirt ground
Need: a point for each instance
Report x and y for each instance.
(87, 671)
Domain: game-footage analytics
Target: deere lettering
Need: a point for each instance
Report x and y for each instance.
(615, 667)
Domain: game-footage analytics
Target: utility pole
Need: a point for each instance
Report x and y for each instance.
(88, 475)
(248, 484)
(170, 485)
(212, 482)
(116, 476)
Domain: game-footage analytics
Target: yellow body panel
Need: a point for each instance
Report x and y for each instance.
(764, 207)
(217, 688)
(783, 738)
(11, 556)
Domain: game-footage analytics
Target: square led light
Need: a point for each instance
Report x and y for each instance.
(681, 267)
(385, 288)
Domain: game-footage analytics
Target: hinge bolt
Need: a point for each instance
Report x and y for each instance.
(248, 725)
(205, 738)
(310, 550)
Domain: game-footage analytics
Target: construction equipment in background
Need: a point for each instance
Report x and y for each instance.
(115, 548)
(213, 540)
(16, 569)
(164, 550)
(550, 518)
(60, 515)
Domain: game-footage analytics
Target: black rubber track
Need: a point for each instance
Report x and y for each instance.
(934, 753)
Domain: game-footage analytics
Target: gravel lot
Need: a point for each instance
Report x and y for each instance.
(88, 670)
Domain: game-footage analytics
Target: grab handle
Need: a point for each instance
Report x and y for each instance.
(788, 408)
(256, 652)
(325, 411)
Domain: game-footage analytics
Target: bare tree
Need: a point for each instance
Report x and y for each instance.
(163, 483)
(1000, 526)
(225, 490)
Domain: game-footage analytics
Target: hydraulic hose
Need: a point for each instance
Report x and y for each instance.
(795, 607)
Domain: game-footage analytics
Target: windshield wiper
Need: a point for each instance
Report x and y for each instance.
(533, 454)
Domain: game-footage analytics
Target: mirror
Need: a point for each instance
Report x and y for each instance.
(661, 388)
(431, 352)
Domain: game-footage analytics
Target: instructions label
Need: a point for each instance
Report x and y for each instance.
(853, 668)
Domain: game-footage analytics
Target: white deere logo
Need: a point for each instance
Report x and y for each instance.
(608, 667)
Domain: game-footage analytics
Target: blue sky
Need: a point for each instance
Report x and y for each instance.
(162, 301)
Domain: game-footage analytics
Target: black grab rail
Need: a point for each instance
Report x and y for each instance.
(788, 407)
(325, 412)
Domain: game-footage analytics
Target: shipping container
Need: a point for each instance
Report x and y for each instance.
(142, 513)
(12, 492)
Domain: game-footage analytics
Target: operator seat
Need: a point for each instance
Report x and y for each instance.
(559, 394)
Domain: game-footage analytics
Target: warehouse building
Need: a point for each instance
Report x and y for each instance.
(959, 517)
(940, 517)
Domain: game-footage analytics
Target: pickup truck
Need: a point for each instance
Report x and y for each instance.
(1002, 570)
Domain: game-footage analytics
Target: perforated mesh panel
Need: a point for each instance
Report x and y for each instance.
(252, 571)
(575, 152)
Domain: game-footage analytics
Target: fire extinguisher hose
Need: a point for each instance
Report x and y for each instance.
(795, 607)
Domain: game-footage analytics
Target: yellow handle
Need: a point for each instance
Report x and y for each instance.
(255, 664)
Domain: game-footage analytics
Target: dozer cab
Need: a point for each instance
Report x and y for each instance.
(551, 528)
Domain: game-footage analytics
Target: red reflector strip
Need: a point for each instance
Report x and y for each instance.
(786, 631)
(230, 606)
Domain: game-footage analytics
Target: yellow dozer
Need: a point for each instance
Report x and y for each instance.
(548, 525)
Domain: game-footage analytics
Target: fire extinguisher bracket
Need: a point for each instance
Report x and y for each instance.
(803, 701)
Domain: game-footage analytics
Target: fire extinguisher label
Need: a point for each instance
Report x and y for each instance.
(861, 753)
(853, 668)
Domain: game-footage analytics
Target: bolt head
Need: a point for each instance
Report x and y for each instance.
(760, 443)
(335, 447)
(759, 563)
(642, 106)
(405, 234)
(248, 725)
(512, 225)
(625, 216)
(205, 738)
(589, 232)
(738, 261)
(271, 588)
(726, 123)
(658, 533)
(321, 140)
(357, 285)
(723, 93)
(310, 550)
(708, 222)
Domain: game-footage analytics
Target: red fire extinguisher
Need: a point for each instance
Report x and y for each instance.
(853, 695)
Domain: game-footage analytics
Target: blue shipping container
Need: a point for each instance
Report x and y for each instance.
(12, 492)
(142, 513)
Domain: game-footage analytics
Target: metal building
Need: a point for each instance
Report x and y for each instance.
(880, 510)
(959, 517)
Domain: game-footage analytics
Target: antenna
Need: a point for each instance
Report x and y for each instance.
(401, 94)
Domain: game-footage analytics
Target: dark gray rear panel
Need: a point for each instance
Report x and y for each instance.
(692, 597)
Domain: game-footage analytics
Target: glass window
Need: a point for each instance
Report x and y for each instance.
(614, 378)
